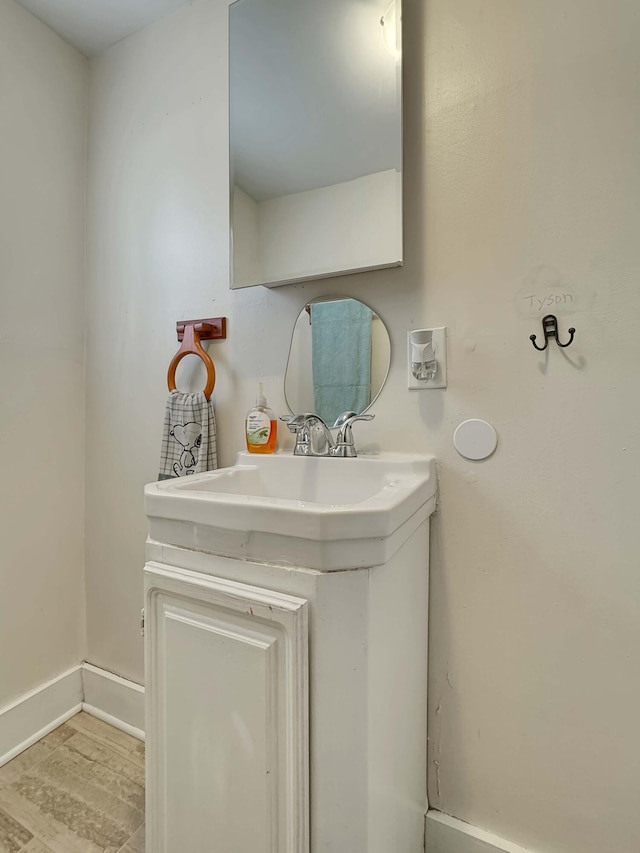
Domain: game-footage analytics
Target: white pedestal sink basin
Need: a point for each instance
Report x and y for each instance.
(324, 514)
(286, 656)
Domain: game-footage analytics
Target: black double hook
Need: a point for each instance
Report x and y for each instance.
(550, 330)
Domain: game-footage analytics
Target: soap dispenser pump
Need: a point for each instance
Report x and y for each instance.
(261, 426)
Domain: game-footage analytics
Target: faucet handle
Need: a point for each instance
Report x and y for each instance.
(295, 422)
(345, 445)
(347, 418)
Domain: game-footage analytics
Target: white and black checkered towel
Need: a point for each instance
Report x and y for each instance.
(189, 436)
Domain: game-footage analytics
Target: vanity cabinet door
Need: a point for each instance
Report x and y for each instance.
(227, 716)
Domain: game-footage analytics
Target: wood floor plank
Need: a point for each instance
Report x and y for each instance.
(136, 843)
(83, 804)
(98, 785)
(43, 826)
(125, 744)
(13, 836)
(104, 756)
(79, 790)
(36, 753)
(82, 820)
(36, 846)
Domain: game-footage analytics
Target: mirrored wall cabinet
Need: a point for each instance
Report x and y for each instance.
(315, 139)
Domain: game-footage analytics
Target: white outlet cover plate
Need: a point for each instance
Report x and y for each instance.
(440, 348)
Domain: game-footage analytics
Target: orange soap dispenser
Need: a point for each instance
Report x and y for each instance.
(261, 426)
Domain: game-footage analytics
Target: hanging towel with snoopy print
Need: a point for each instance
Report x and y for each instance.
(189, 436)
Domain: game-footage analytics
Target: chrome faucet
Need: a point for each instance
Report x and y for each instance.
(313, 436)
(345, 445)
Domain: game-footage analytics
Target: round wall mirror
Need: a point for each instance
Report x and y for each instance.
(339, 359)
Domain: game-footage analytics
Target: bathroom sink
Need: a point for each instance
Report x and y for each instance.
(320, 513)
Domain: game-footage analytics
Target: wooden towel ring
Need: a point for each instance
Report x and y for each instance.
(191, 346)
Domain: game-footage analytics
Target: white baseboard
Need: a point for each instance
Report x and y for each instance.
(113, 721)
(446, 834)
(107, 696)
(113, 699)
(38, 712)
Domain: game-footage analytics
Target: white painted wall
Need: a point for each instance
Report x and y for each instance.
(43, 112)
(522, 183)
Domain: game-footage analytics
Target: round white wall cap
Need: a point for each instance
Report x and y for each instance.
(475, 439)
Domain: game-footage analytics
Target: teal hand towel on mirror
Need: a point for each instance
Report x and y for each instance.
(341, 344)
(188, 436)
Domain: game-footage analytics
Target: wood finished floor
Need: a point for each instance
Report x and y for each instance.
(78, 790)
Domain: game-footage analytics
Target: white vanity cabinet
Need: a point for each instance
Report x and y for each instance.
(286, 701)
(279, 698)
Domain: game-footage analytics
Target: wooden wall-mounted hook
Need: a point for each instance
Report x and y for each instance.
(191, 332)
(210, 329)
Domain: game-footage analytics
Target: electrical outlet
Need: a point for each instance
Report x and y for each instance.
(440, 352)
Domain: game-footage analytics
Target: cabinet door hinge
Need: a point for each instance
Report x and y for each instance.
(142, 622)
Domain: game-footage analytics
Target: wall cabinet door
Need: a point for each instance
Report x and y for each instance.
(227, 716)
